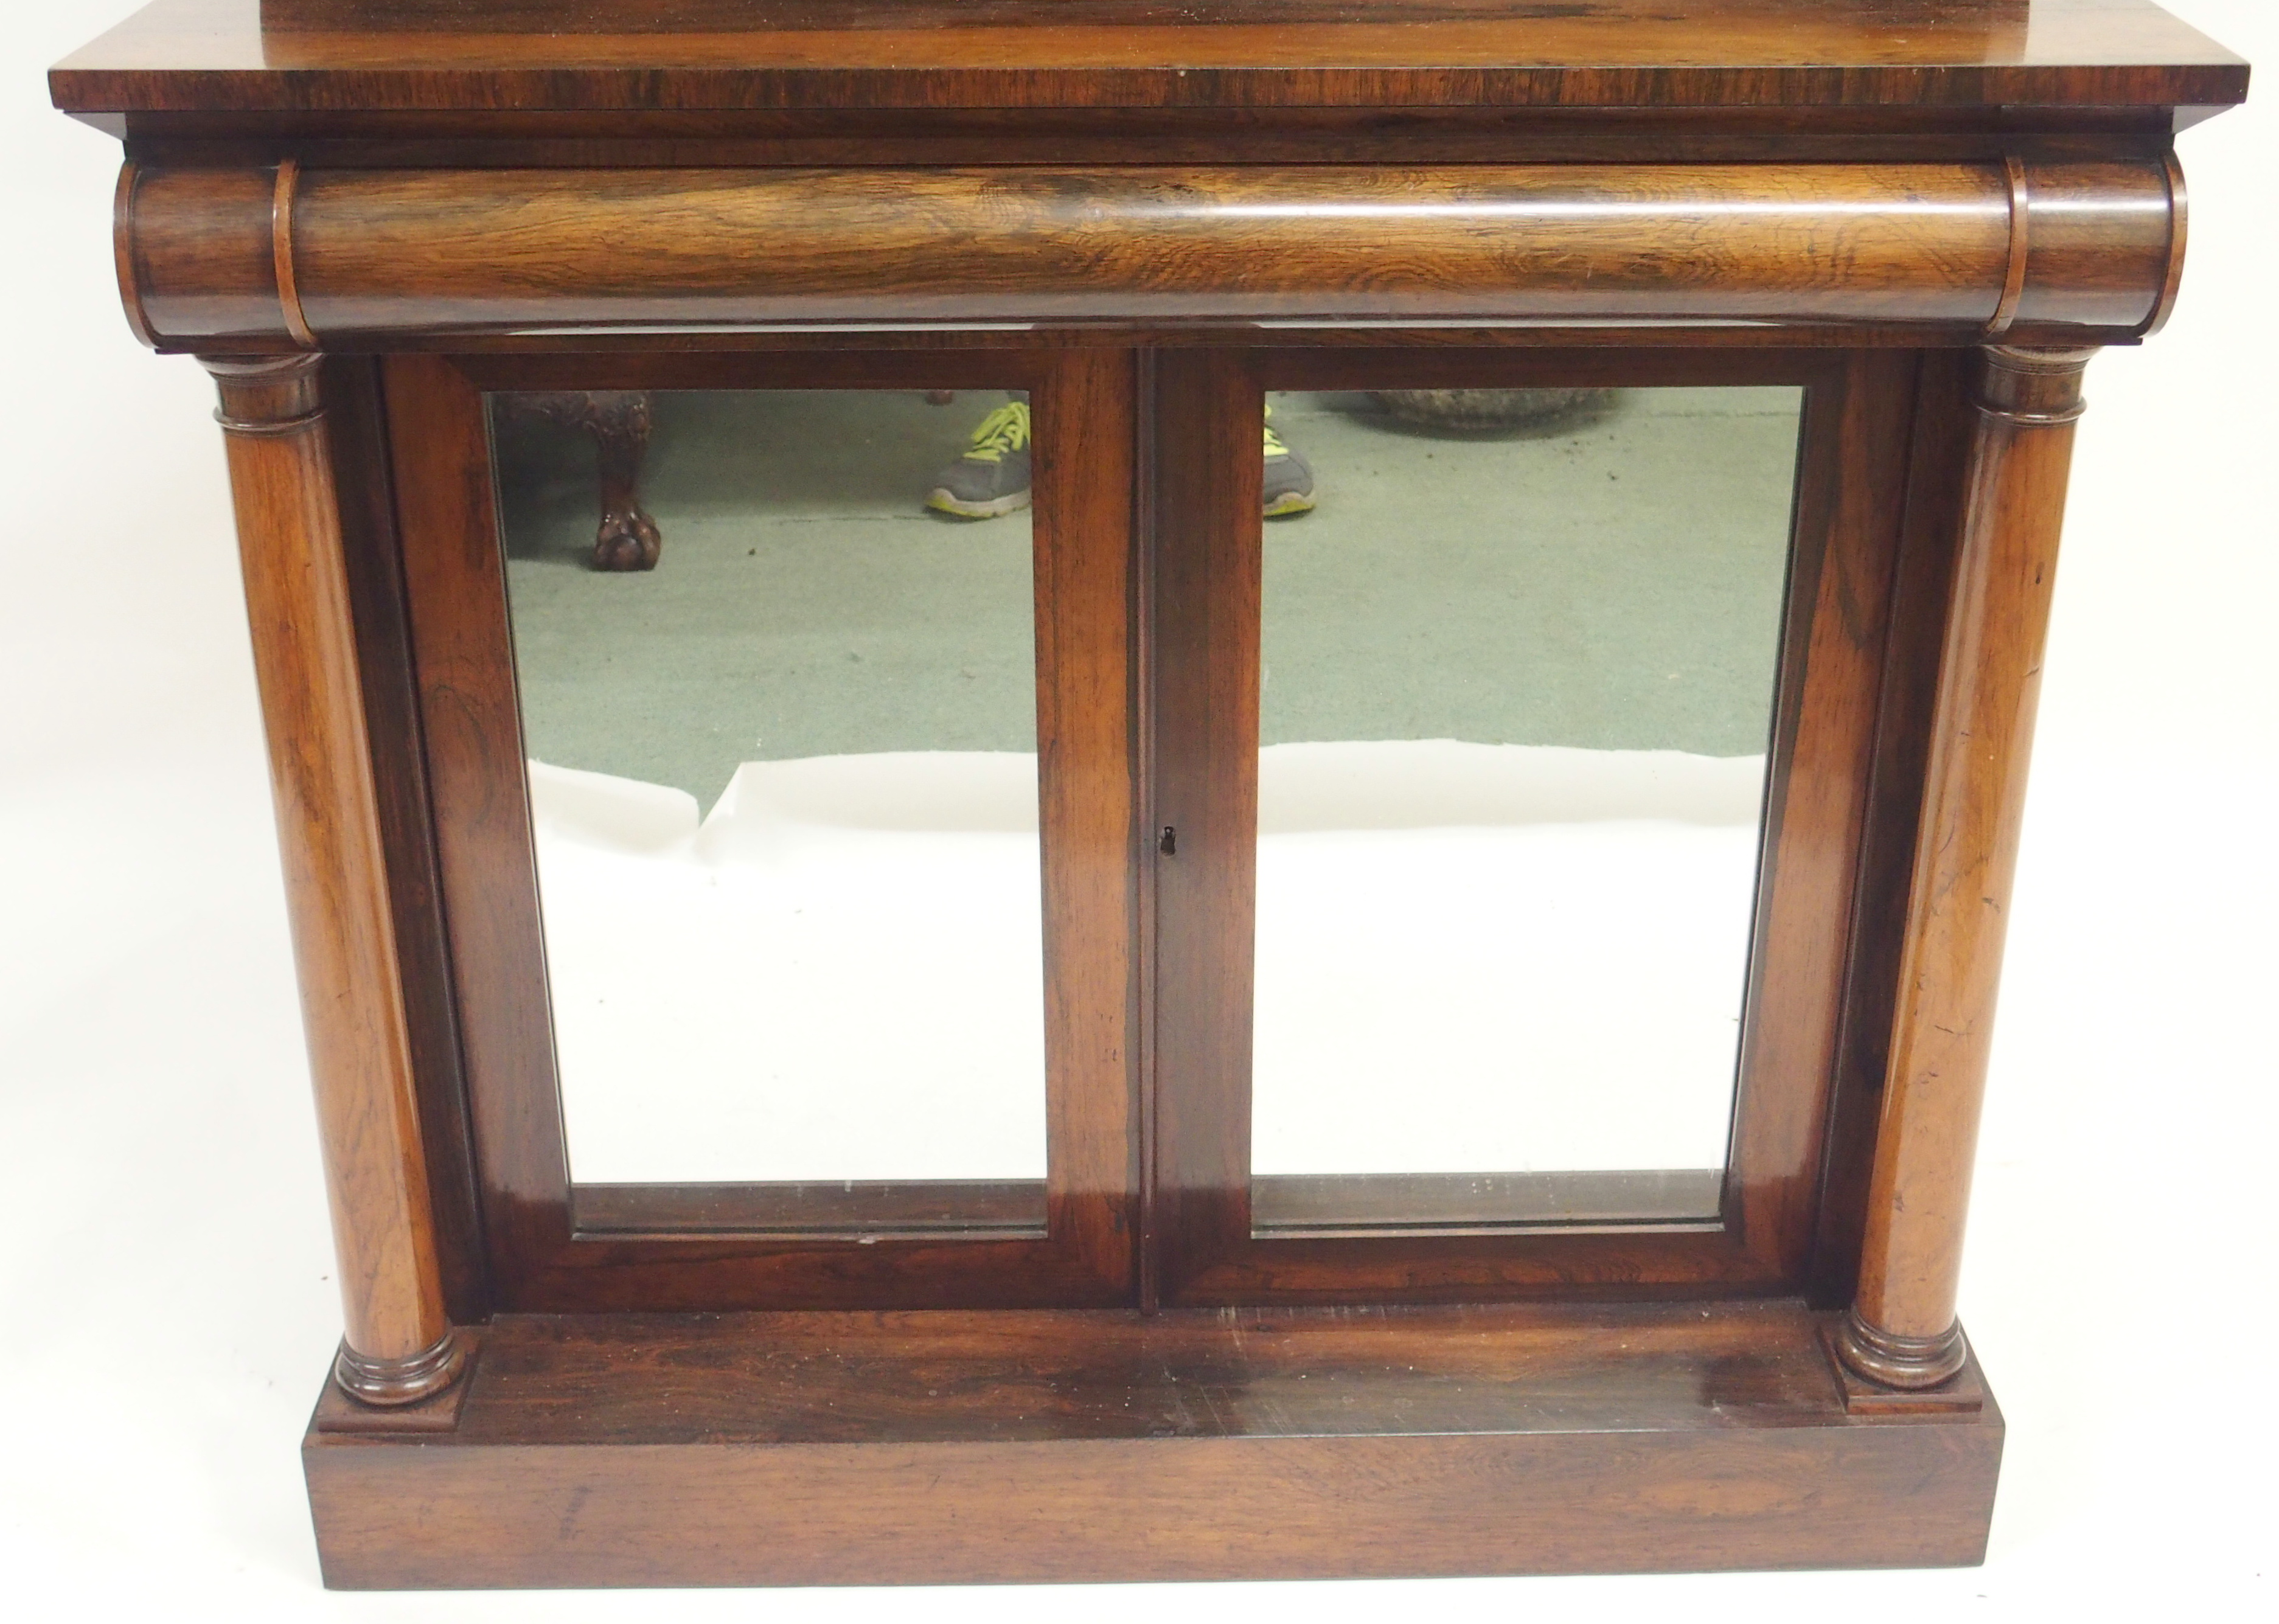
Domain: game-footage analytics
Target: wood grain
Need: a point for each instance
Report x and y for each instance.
(1852, 469)
(1145, 213)
(122, 251)
(1945, 419)
(357, 435)
(1902, 1331)
(1264, 1444)
(952, 137)
(1365, 1203)
(540, 1259)
(337, 895)
(1206, 481)
(1853, 462)
(455, 576)
(623, 54)
(377, 253)
(1082, 516)
(856, 1206)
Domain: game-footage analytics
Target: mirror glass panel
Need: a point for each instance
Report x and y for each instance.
(1518, 664)
(781, 716)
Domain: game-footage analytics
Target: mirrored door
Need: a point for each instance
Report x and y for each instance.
(1515, 694)
(812, 875)
(1481, 686)
(1372, 826)
(783, 788)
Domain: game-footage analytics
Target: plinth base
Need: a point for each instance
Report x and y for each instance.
(993, 1447)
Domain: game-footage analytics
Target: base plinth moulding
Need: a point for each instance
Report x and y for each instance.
(995, 1447)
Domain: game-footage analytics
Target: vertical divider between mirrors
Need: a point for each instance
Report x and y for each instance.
(1207, 472)
(1085, 474)
(351, 390)
(1145, 824)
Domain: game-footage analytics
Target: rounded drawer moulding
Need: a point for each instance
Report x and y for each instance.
(298, 258)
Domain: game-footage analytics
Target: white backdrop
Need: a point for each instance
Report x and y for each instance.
(165, 1305)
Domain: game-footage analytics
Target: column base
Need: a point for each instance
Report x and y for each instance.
(388, 1383)
(1909, 1363)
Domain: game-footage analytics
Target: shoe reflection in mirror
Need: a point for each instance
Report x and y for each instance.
(1289, 488)
(991, 479)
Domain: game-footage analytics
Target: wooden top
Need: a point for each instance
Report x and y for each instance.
(336, 56)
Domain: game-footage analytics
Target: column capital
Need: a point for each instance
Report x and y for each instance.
(2033, 387)
(266, 394)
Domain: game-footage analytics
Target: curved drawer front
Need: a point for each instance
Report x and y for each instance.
(204, 253)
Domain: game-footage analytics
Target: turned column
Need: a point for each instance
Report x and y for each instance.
(1902, 1329)
(399, 1345)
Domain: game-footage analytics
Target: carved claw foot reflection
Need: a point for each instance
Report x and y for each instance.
(619, 421)
(627, 541)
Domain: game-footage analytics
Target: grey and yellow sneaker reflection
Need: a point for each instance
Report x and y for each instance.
(1289, 489)
(991, 477)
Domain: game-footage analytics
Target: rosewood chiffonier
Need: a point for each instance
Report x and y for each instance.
(1296, 864)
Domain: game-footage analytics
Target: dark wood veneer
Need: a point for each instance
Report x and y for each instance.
(364, 214)
(859, 1208)
(355, 413)
(1264, 1444)
(339, 899)
(612, 54)
(1365, 1204)
(1853, 466)
(1902, 1331)
(1931, 512)
(543, 1258)
(370, 254)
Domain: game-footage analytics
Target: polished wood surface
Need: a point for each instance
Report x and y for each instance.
(1945, 420)
(710, 54)
(1852, 465)
(796, 1379)
(438, 465)
(1367, 1203)
(1963, 1393)
(355, 433)
(1146, 212)
(1206, 479)
(1260, 1443)
(434, 1412)
(542, 1259)
(399, 1345)
(376, 255)
(1090, 807)
(1902, 1331)
(1853, 470)
(853, 1208)
(966, 138)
